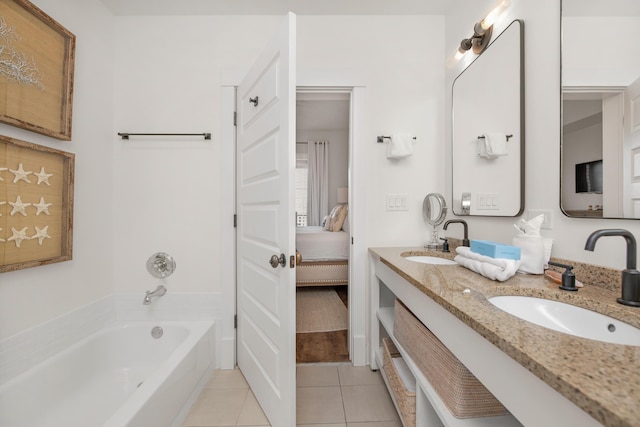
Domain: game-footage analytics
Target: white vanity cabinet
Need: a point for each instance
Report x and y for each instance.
(527, 397)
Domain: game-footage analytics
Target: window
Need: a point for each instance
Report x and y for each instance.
(302, 169)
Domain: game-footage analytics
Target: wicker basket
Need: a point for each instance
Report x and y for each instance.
(405, 399)
(458, 388)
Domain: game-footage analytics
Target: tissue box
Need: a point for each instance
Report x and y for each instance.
(495, 250)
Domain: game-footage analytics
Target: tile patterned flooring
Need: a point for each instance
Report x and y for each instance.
(327, 396)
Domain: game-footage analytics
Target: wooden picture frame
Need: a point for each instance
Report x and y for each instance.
(36, 204)
(36, 70)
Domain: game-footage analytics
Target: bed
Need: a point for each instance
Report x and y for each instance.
(325, 257)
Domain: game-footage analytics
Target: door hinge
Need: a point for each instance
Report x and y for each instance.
(352, 240)
(235, 221)
(235, 321)
(235, 118)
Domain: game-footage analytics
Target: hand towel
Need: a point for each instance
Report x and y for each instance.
(492, 145)
(400, 145)
(499, 269)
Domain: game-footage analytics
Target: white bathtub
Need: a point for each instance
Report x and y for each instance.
(119, 377)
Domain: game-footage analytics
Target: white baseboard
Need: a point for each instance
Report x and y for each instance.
(359, 354)
(227, 353)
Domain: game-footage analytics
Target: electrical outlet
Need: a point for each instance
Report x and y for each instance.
(548, 217)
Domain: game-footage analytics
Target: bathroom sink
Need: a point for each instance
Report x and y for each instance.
(568, 319)
(430, 260)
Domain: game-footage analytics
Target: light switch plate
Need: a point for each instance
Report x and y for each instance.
(397, 202)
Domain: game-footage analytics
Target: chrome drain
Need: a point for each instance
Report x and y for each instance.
(157, 332)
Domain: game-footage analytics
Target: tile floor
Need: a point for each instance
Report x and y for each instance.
(328, 396)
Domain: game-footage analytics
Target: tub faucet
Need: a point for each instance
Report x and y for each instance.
(630, 276)
(160, 291)
(465, 241)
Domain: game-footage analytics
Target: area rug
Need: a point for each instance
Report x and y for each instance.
(320, 310)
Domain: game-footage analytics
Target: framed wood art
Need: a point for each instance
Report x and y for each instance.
(36, 204)
(36, 70)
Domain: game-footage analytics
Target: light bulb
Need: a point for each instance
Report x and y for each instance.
(494, 14)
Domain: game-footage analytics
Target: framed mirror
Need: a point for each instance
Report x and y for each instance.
(488, 130)
(600, 136)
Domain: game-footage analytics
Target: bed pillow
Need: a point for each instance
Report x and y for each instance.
(327, 222)
(345, 224)
(337, 219)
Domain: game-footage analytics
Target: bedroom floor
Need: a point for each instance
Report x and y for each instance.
(322, 322)
(327, 395)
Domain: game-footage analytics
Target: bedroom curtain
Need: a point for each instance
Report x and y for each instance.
(318, 182)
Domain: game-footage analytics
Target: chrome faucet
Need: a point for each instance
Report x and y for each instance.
(630, 276)
(465, 241)
(160, 291)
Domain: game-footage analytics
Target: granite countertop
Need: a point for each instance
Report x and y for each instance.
(602, 379)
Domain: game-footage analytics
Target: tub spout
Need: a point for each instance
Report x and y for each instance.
(160, 291)
(630, 276)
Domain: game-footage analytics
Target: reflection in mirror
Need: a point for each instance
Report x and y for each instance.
(600, 148)
(488, 123)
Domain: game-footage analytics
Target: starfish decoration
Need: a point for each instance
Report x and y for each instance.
(2, 203)
(42, 176)
(42, 207)
(2, 170)
(41, 234)
(1, 240)
(18, 207)
(20, 174)
(18, 236)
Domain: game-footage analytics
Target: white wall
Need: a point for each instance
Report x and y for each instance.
(31, 296)
(542, 92)
(169, 71)
(613, 57)
(168, 76)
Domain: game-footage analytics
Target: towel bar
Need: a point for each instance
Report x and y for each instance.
(482, 137)
(125, 135)
(381, 139)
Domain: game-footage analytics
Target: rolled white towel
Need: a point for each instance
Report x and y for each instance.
(499, 269)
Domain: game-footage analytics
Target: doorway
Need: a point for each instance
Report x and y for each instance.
(322, 232)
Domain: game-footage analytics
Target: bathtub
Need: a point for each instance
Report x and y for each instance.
(120, 376)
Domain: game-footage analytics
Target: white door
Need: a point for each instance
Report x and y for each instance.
(632, 142)
(266, 227)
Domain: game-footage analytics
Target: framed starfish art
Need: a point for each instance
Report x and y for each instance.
(36, 204)
(36, 70)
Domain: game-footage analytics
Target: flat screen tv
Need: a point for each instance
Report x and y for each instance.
(589, 177)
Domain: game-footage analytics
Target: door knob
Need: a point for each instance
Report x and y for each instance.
(254, 101)
(278, 260)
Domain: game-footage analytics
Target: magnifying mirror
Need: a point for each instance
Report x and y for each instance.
(434, 210)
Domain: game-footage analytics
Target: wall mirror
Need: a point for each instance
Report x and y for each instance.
(600, 144)
(488, 130)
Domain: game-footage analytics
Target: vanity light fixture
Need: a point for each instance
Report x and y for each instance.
(483, 30)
